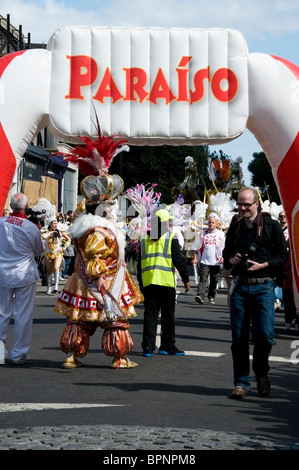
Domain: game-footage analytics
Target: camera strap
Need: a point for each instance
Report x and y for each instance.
(259, 228)
(260, 225)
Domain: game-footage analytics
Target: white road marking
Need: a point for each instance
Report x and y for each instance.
(8, 407)
(277, 359)
(205, 354)
(214, 354)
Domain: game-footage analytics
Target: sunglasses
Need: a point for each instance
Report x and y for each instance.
(282, 216)
(246, 205)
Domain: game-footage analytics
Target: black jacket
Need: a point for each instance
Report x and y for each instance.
(263, 242)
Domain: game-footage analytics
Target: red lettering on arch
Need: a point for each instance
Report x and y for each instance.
(83, 72)
(161, 89)
(108, 88)
(198, 80)
(232, 84)
(183, 79)
(136, 80)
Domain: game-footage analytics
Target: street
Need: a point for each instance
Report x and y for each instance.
(188, 392)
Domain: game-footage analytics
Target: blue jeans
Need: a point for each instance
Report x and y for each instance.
(252, 302)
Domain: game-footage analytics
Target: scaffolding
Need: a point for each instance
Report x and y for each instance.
(11, 38)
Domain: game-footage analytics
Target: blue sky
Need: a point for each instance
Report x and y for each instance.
(270, 26)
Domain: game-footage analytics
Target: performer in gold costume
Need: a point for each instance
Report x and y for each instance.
(100, 292)
(55, 243)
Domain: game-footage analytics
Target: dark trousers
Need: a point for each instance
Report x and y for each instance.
(156, 299)
(204, 272)
(289, 306)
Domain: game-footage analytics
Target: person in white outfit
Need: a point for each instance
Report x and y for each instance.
(20, 244)
(208, 248)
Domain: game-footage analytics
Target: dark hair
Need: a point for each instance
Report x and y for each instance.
(91, 209)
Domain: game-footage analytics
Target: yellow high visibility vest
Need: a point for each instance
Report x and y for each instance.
(156, 261)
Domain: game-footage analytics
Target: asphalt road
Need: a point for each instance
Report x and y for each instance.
(189, 392)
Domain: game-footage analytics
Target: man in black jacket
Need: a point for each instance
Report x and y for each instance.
(160, 254)
(256, 251)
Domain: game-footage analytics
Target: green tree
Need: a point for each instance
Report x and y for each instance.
(262, 177)
(163, 165)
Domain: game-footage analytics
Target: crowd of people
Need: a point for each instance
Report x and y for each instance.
(90, 251)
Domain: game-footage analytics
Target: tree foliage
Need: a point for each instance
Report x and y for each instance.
(163, 165)
(262, 177)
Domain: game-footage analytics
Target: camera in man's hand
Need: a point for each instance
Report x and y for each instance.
(250, 255)
(244, 265)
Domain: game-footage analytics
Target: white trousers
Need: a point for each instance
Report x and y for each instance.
(17, 303)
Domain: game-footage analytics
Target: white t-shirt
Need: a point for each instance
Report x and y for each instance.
(209, 247)
(20, 243)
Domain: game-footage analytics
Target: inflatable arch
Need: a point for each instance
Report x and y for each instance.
(155, 86)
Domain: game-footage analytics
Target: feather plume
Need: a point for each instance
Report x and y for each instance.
(272, 208)
(144, 199)
(223, 206)
(96, 156)
(216, 163)
(226, 169)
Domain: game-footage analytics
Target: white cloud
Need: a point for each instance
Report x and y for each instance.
(256, 19)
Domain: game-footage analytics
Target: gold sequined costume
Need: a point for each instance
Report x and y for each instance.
(100, 253)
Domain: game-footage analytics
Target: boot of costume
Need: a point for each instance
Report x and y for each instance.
(49, 284)
(56, 281)
(71, 362)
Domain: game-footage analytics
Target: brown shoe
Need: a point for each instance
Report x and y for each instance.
(239, 393)
(263, 386)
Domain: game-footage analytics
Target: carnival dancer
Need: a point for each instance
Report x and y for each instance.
(100, 292)
(55, 243)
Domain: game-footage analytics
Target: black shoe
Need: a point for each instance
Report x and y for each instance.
(148, 352)
(263, 386)
(199, 299)
(173, 351)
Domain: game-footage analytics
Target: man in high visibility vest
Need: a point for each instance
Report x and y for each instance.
(160, 254)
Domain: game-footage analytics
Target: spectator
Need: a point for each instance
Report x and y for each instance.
(284, 224)
(208, 248)
(69, 260)
(160, 255)
(70, 215)
(278, 290)
(256, 251)
(290, 310)
(60, 218)
(20, 245)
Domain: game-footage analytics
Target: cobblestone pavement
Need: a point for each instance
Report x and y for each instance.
(126, 438)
